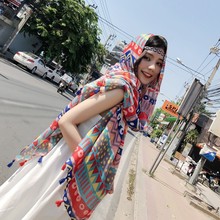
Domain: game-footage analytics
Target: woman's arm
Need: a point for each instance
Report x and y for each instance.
(84, 111)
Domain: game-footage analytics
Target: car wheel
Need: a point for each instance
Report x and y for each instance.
(34, 70)
(44, 75)
(52, 78)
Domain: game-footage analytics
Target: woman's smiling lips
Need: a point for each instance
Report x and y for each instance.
(148, 75)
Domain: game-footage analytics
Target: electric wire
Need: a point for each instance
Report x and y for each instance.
(216, 45)
(128, 36)
(190, 69)
(108, 17)
(103, 29)
(203, 62)
(208, 64)
(104, 14)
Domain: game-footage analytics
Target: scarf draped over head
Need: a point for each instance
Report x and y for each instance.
(92, 167)
(130, 54)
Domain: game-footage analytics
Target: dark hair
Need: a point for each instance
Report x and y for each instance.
(157, 41)
(153, 41)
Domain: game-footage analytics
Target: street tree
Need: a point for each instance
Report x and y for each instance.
(68, 31)
(202, 109)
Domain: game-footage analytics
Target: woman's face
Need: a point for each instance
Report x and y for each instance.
(150, 66)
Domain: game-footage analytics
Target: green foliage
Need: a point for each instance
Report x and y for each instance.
(191, 137)
(202, 109)
(154, 122)
(68, 30)
(156, 133)
(155, 115)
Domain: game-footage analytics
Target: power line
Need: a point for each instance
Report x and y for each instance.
(117, 28)
(203, 62)
(209, 63)
(216, 45)
(94, 6)
(104, 13)
(186, 69)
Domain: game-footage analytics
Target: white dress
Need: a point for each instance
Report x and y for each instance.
(31, 192)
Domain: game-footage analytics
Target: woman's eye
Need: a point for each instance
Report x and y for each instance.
(146, 58)
(160, 64)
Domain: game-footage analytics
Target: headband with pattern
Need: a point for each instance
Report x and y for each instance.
(155, 49)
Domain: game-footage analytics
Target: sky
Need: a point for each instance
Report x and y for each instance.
(191, 28)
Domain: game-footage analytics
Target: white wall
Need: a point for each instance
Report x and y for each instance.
(23, 43)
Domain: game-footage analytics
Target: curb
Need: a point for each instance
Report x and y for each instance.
(140, 188)
(199, 204)
(125, 210)
(201, 208)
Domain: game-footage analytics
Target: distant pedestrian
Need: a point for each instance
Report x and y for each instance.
(86, 140)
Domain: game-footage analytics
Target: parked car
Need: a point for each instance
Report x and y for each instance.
(55, 72)
(32, 62)
(73, 86)
(64, 84)
(54, 75)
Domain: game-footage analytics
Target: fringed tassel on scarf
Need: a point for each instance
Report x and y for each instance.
(79, 91)
(11, 163)
(40, 159)
(64, 166)
(22, 163)
(59, 202)
(61, 181)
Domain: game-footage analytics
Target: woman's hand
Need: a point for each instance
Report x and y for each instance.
(85, 110)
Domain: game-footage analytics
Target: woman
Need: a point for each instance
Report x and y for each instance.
(90, 132)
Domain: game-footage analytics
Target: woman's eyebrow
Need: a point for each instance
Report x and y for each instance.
(149, 54)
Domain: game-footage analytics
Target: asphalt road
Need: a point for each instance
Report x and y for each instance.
(28, 104)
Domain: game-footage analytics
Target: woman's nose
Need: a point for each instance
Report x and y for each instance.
(152, 66)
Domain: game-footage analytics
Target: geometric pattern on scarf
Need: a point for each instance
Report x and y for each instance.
(92, 166)
(138, 110)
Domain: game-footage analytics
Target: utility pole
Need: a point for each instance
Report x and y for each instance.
(162, 153)
(212, 74)
(110, 37)
(187, 104)
(202, 160)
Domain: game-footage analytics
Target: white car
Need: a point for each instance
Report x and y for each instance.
(31, 61)
(54, 75)
(73, 86)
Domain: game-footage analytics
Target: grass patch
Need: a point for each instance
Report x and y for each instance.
(131, 183)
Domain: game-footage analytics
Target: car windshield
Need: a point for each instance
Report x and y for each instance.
(31, 55)
(51, 66)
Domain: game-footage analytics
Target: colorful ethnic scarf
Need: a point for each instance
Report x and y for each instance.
(92, 167)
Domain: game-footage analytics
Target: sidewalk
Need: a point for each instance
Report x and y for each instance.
(167, 196)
